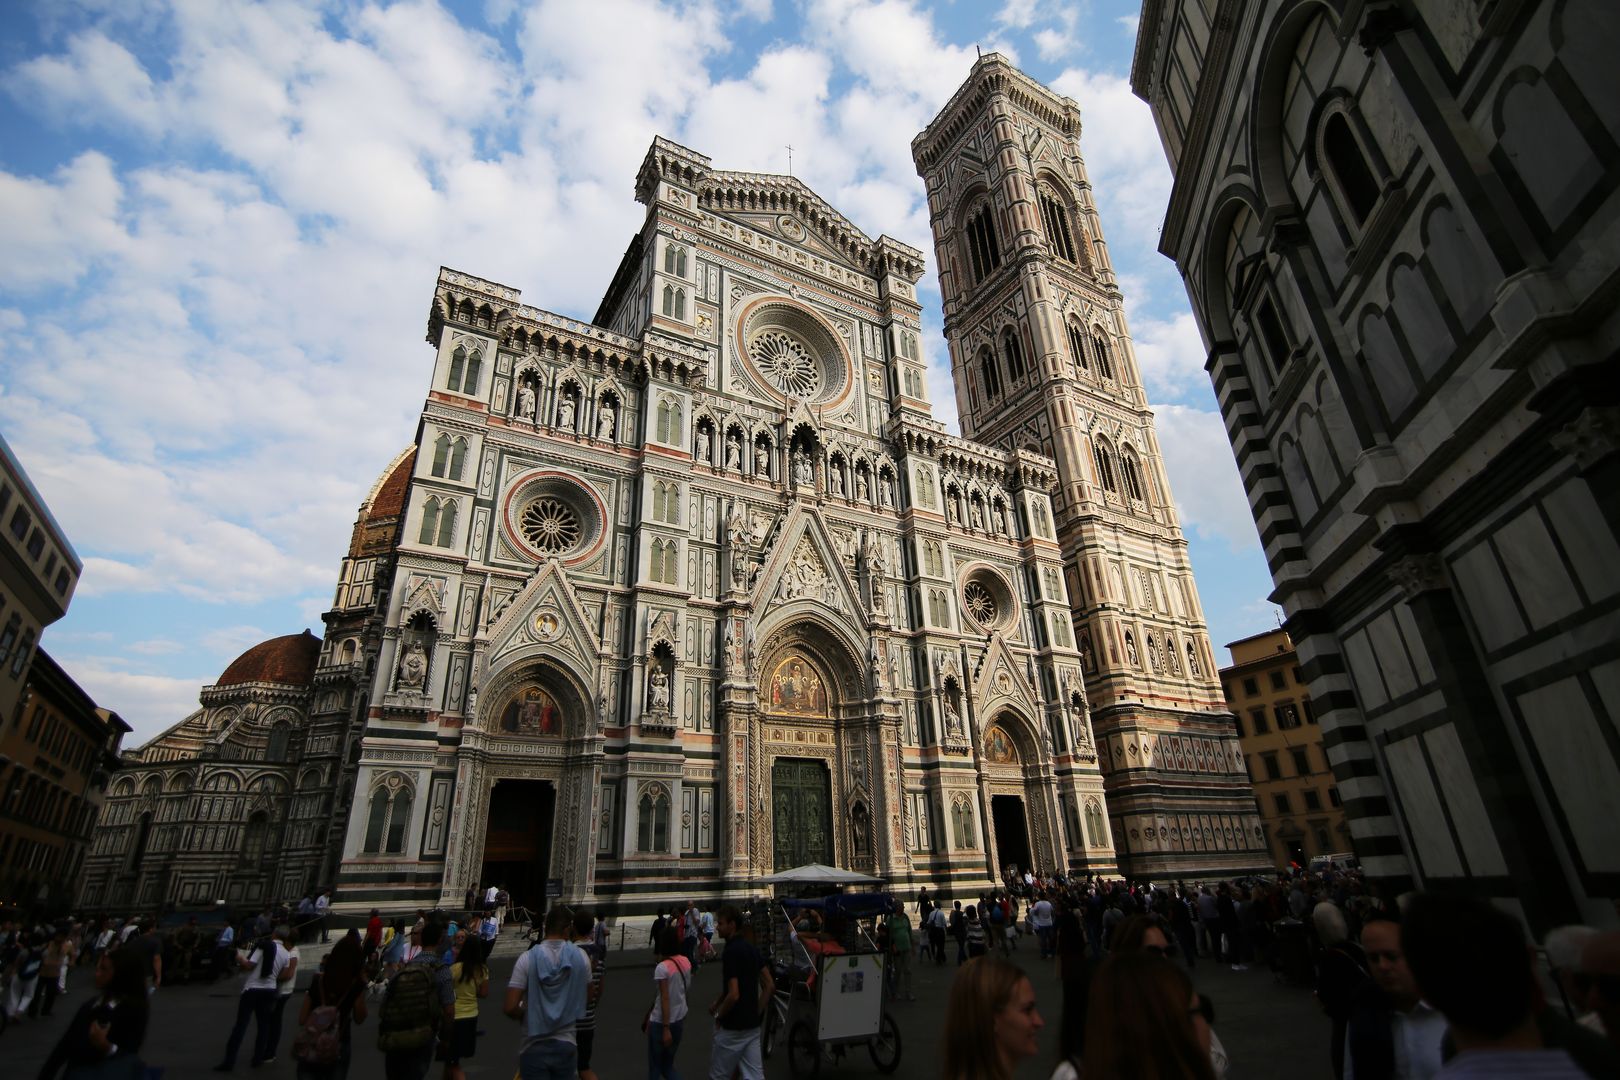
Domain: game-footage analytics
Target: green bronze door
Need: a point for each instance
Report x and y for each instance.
(801, 803)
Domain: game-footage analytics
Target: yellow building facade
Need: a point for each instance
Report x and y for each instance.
(1293, 784)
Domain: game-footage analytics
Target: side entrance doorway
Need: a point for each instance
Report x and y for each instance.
(801, 813)
(517, 842)
(1012, 832)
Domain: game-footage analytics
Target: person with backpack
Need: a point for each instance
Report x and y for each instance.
(334, 1002)
(547, 994)
(666, 1017)
(420, 1002)
(267, 967)
(470, 974)
(107, 1031)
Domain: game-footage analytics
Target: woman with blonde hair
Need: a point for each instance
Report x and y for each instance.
(1145, 1021)
(991, 1022)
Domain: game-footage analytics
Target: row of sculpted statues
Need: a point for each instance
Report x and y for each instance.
(567, 408)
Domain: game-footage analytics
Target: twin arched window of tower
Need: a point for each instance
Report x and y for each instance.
(1014, 354)
(388, 817)
(675, 261)
(984, 249)
(1131, 472)
(449, 456)
(652, 820)
(1055, 217)
(1105, 467)
(438, 522)
(1077, 349)
(669, 421)
(464, 370)
(991, 374)
(674, 302)
(1105, 364)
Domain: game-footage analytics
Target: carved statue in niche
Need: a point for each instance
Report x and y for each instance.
(531, 712)
(803, 471)
(658, 690)
(525, 402)
(1153, 653)
(1086, 656)
(953, 719)
(835, 479)
(1192, 660)
(1130, 650)
(975, 514)
(762, 459)
(700, 450)
(952, 514)
(565, 411)
(604, 420)
(733, 452)
(413, 667)
(886, 489)
(861, 490)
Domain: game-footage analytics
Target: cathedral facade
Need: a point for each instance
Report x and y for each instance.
(659, 604)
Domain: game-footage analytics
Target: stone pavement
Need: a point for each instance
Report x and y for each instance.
(1269, 1029)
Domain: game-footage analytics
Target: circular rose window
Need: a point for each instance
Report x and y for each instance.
(550, 525)
(987, 599)
(793, 352)
(551, 514)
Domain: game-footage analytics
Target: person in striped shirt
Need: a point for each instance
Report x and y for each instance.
(585, 1028)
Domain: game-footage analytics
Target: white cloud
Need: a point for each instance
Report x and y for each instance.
(1203, 475)
(229, 642)
(148, 703)
(1121, 147)
(95, 81)
(154, 647)
(1170, 353)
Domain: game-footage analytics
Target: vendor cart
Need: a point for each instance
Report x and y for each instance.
(830, 986)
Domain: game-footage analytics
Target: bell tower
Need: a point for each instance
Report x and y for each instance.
(1041, 358)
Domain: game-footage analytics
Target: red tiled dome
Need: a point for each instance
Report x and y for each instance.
(388, 499)
(288, 660)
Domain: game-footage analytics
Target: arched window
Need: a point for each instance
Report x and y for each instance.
(458, 362)
(253, 839)
(1077, 348)
(1354, 178)
(1105, 466)
(388, 818)
(1099, 344)
(1273, 338)
(1095, 834)
(430, 522)
(447, 523)
(458, 458)
(441, 454)
(143, 834)
(680, 262)
(277, 748)
(1014, 354)
(669, 259)
(469, 384)
(680, 303)
(992, 375)
(652, 819)
(376, 821)
(1056, 219)
(1132, 475)
(669, 300)
(984, 250)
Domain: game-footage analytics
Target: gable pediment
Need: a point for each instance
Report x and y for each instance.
(545, 615)
(804, 565)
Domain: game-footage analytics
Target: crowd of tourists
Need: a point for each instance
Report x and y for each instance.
(1432, 986)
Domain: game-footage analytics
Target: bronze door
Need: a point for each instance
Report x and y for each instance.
(801, 803)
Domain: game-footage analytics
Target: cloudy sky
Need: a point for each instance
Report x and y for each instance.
(222, 223)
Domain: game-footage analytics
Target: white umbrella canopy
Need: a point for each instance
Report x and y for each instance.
(819, 874)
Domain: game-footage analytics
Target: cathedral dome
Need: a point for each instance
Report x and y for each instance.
(289, 661)
(387, 498)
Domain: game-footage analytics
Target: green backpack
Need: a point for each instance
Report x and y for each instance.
(410, 1011)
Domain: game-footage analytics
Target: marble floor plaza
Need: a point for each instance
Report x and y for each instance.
(1269, 1029)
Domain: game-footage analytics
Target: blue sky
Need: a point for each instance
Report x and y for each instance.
(222, 223)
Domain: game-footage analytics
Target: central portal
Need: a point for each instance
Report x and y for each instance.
(801, 820)
(1012, 832)
(517, 845)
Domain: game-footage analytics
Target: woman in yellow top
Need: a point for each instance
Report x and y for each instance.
(470, 975)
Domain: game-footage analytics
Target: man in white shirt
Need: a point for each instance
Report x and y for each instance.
(323, 904)
(1040, 917)
(490, 896)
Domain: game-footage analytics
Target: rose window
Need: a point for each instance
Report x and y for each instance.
(783, 359)
(979, 603)
(550, 525)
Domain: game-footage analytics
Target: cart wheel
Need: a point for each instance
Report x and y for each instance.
(804, 1052)
(767, 1035)
(885, 1045)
